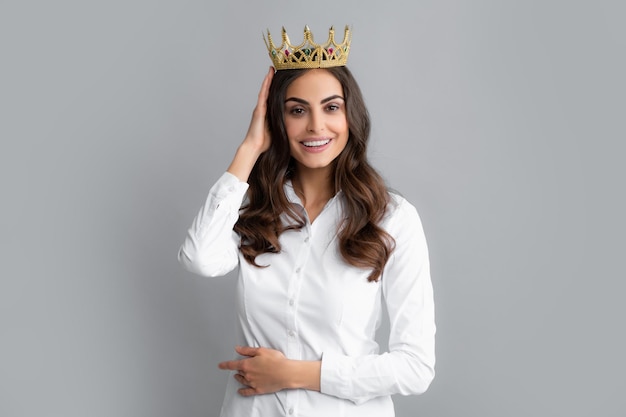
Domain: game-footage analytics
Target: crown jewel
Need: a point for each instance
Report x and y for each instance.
(309, 54)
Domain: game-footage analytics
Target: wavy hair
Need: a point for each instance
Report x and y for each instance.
(268, 213)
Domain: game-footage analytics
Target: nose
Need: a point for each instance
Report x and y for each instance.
(315, 122)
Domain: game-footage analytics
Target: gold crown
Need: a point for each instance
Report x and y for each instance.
(309, 54)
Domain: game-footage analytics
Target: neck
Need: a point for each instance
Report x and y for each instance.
(314, 186)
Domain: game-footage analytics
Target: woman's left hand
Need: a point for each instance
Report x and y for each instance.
(263, 371)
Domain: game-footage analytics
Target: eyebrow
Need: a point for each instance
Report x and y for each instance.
(326, 100)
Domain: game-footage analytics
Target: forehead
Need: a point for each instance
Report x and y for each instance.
(315, 84)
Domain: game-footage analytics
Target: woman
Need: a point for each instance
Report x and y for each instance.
(320, 245)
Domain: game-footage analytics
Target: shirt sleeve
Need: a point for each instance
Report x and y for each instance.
(211, 246)
(408, 367)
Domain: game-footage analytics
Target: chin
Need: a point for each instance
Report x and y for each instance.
(315, 165)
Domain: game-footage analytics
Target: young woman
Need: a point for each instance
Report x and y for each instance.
(321, 245)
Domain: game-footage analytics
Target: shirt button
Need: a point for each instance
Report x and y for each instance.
(298, 269)
(291, 411)
(291, 333)
(306, 239)
(291, 302)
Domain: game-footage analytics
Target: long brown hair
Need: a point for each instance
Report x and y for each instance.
(362, 242)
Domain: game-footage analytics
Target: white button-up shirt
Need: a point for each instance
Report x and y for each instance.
(311, 305)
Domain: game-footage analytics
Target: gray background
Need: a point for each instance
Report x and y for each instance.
(502, 121)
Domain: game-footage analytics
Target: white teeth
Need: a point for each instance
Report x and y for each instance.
(316, 143)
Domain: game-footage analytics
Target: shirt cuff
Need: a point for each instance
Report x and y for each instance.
(228, 184)
(337, 378)
(332, 379)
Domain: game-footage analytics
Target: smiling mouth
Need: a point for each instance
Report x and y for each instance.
(316, 143)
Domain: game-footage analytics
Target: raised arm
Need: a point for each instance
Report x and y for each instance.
(211, 246)
(257, 139)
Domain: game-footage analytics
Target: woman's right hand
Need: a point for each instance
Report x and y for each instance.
(258, 135)
(258, 138)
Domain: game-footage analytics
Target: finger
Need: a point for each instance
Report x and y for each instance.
(247, 350)
(231, 365)
(241, 379)
(247, 392)
(265, 87)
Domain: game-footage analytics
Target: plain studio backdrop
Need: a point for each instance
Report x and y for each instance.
(502, 121)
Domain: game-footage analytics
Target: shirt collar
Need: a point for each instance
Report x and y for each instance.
(292, 197)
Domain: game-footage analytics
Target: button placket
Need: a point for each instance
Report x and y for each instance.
(304, 249)
(291, 402)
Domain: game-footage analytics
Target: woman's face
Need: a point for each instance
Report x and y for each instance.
(315, 119)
